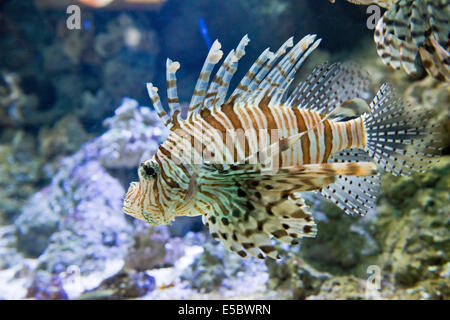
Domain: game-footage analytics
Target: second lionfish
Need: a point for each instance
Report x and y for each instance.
(414, 35)
(327, 138)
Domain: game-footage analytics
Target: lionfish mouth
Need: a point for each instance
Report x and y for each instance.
(131, 201)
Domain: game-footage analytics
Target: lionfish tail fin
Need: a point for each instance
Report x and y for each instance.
(399, 137)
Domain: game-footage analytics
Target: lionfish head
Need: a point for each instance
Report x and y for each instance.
(140, 201)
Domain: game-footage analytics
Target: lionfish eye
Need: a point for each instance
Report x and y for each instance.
(149, 169)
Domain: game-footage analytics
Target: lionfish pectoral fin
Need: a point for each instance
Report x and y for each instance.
(251, 219)
(353, 194)
(358, 169)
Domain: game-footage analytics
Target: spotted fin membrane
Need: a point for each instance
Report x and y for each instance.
(354, 195)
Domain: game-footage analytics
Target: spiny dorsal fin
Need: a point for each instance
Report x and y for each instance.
(214, 56)
(329, 85)
(172, 92)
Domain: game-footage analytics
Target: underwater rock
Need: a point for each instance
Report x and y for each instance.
(55, 59)
(46, 287)
(36, 224)
(342, 241)
(341, 288)
(20, 172)
(64, 138)
(122, 75)
(210, 269)
(23, 104)
(73, 67)
(123, 285)
(85, 204)
(134, 135)
(9, 94)
(153, 247)
(413, 229)
(8, 247)
(433, 95)
(126, 53)
(77, 191)
(15, 105)
(77, 221)
(295, 276)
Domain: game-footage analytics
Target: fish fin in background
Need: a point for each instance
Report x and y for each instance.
(399, 137)
(395, 52)
(436, 59)
(354, 195)
(397, 40)
(330, 85)
(380, 3)
(414, 35)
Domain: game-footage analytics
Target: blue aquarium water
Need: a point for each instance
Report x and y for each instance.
(208, 149)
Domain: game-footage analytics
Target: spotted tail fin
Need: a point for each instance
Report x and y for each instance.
(398, 136)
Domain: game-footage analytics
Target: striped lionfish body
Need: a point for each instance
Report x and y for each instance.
(241, 161)
(414, 35)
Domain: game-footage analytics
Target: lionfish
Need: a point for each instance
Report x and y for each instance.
(414, 35)
(323, 136)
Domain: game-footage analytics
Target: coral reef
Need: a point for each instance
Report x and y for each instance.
(412, 229)
(211, 270)
(20, 171)
(153, 247)
(134, 134)
(131, 284)
(76, 220)
(46, 287)
(342, 241)
(294, 276)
